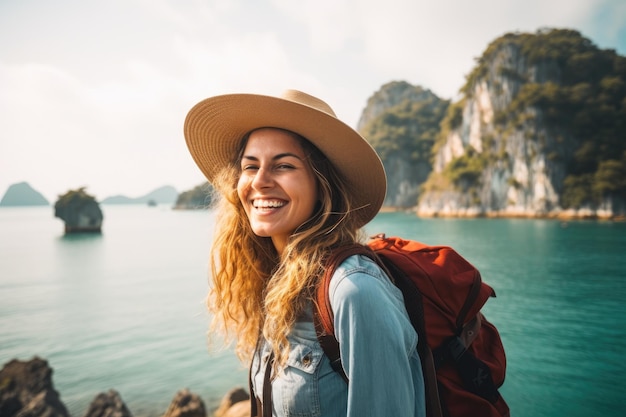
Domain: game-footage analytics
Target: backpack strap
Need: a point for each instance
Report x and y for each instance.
(469, 302)
(255, 403)
(262, 407)
(324, 318)
(267, 387)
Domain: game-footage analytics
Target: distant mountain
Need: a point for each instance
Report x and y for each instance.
(22, 194)
(163, 195)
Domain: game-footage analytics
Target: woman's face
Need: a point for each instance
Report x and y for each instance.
(277, 186)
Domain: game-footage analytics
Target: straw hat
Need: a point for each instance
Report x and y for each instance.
(215, 127)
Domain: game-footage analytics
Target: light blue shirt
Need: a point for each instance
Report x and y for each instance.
(378, 352)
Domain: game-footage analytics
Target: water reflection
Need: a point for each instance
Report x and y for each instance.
(80, 237)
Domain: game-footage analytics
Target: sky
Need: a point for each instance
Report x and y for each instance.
(95, 93)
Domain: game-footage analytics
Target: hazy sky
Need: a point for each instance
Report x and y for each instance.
(94, 93)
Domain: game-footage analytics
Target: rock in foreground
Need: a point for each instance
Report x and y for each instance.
(26, 390)
(108, 404)
(234, 404)
(186, 404)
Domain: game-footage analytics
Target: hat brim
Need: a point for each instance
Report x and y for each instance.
(215, 127)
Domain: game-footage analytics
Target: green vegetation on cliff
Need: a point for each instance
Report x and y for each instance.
(581, 98)
(74, 198)
(408, 128)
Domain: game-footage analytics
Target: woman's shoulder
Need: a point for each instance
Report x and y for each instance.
(359, 274)
(356, 263)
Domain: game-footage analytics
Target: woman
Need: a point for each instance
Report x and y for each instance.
(296, 183)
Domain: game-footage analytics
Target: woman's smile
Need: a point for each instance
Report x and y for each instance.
(260, 204)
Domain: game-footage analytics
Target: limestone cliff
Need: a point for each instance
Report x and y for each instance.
(539, 131)
(401, 121)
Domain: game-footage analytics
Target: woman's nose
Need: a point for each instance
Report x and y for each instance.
(262, 179)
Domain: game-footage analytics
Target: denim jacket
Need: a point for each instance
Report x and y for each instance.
(378, 349)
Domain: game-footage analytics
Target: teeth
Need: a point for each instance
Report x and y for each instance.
(268, 203)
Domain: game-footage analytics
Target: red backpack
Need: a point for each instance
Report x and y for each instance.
(462, 355)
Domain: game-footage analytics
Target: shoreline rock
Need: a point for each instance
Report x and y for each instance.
(108, 404)
(186, 404)
(476, 213)
(236, 403)
(27, 390)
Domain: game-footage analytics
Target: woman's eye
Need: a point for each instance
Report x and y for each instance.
(249, 167)
(284, 166)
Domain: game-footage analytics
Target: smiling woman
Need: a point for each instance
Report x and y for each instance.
(297, 184)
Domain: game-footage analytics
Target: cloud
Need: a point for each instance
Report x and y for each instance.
(433, 44)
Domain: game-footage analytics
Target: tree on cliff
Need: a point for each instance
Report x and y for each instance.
(80, 211)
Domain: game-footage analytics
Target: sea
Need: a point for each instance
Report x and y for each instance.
(125, 310)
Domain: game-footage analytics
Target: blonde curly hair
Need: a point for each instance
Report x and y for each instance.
(254, 289)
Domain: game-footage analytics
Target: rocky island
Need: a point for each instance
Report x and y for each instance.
(80, 212)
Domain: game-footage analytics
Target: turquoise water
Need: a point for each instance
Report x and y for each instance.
(124, 310)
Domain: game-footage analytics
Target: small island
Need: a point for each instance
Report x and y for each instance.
(196, 199)
(80, 212)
